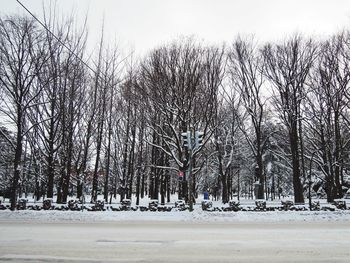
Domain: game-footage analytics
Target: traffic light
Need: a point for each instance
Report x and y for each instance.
(181, 175)
(199, 138)
(186, 137)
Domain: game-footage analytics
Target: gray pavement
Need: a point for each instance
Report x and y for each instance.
(150, 241)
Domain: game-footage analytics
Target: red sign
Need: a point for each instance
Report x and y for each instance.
(181, 174)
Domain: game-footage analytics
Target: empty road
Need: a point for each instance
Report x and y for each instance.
(139, 241)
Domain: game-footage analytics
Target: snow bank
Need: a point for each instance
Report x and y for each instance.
(196, 216)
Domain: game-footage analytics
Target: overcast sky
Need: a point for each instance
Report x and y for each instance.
(145, 24)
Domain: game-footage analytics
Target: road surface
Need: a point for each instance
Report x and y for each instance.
(139, 241)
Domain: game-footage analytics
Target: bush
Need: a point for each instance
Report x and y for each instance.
(47, 204)
(180, 205)
(125, 205)
(21, 204)
(207, 205)
(164, 208)
(287, 204)
(234, 205)
(260, 205)
(73, 205)
(315, 206)
(340, 204)
(98, 206)
(153, 205)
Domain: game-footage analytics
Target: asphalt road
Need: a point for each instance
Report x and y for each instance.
(174, 242)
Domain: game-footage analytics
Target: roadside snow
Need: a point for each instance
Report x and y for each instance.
(185, 216)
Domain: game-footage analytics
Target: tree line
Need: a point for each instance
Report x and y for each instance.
(275, 117)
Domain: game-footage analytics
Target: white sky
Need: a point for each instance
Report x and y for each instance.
(144, 24)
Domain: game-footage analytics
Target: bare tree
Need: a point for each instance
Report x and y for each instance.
(113, 66)
(327, 105)
(71, 102)
(181, 83)
(47, 109)
(22, 55)
(247, 78)
(287, 68)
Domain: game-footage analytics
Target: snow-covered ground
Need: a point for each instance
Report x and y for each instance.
(182, 216)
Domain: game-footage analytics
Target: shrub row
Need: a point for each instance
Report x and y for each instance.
(260, 205)
(76, 205)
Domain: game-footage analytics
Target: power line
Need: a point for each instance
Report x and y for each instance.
(69, 49)
(59, 40)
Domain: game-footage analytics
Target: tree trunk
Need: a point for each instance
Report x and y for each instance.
(131, 165)
(297, 186)
(108, 153)
(122, 186)
(97, 160)
(337, 156)
(260, 175)
(17, 161)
